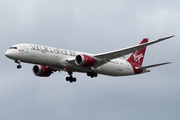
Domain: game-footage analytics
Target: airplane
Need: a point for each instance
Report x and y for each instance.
(48, 60)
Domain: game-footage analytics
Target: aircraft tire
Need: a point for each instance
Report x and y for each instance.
(19, 66)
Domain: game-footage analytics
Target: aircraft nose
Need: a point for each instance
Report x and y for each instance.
(8, 53)
(12, 54)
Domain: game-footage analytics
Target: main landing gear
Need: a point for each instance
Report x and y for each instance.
(70, 78)
(73, 79)
(19, 66)
(92, 74)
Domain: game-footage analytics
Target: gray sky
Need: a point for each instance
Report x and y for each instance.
(92, 26)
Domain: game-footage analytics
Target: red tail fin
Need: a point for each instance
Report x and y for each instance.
(138, 57)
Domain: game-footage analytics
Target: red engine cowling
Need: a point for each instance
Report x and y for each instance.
(84, 60)
(42, 71)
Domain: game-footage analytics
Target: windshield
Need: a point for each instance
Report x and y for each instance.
(13, 48)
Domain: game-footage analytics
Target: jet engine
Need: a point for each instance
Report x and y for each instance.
(84, 60)
(42, 71)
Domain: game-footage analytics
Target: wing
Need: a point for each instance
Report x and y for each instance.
(108, 56)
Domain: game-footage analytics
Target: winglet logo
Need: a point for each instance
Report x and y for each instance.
(137, 57)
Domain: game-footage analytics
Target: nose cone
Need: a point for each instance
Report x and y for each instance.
(12, 54)
(8, 53)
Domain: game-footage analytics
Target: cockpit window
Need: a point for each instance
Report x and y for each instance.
(13, 48)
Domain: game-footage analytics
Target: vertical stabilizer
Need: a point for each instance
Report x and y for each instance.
(138, 57)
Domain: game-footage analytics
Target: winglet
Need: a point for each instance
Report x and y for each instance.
(170, 36)
(167, 37)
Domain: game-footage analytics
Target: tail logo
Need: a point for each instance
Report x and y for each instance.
(137, 57)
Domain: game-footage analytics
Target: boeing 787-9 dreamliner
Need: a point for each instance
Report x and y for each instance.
(49, 60)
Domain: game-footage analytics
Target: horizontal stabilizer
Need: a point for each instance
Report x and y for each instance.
(155, 65)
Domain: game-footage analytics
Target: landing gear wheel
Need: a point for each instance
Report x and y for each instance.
(88, 74)
(70, 78)
(19, 66)
(92, 74)
(67, 78)
(71, 81)
(95, 74)
(74, 79)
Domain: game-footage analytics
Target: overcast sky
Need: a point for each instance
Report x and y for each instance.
(92, 26)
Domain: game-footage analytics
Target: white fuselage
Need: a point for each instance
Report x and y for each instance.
(58, 58)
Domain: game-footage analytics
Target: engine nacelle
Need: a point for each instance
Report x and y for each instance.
(84, 60)
(42, 71)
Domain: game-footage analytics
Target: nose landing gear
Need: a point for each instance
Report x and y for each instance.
(19, 66)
